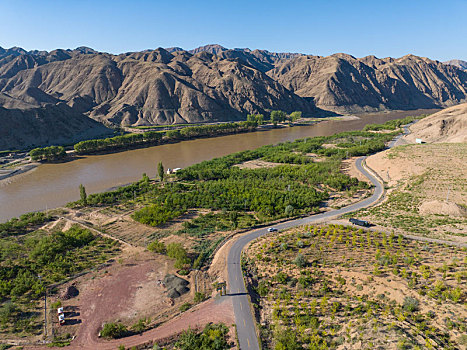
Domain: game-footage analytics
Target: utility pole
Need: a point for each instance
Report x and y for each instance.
(45, 308)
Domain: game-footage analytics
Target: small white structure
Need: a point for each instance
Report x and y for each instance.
(61, 319)
(60, 310)
(173, 171)
(418, 141)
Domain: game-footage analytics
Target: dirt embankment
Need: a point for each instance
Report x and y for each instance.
(426, 190)
(448, 125)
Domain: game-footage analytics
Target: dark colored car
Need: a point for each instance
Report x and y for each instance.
(359, 222)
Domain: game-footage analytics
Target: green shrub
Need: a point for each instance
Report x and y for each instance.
(157, 247)
(199, 297)
(214, 336)
(155, 215)
(140, 326)
(300, 260)
(263, 288)
(184, 307)
(56, 305)
(114, 330)
(411, 304)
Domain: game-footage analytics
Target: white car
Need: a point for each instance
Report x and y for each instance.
(272, 229)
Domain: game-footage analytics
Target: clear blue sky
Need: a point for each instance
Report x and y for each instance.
(432, 28)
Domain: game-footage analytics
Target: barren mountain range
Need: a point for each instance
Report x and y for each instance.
(164, 86)
(458, 63)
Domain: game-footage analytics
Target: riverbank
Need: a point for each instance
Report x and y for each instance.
(24, 164)
(54, 185)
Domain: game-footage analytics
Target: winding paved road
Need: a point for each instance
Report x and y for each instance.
(244, 320)
(243, 315)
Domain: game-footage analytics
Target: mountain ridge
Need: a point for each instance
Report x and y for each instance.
(214, 83)
(458, 63)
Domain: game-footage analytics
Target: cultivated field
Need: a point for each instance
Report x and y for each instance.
(340, 287)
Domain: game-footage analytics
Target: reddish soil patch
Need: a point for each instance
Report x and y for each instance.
(104, 299)
(212, 310)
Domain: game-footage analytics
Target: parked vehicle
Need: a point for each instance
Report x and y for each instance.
(61, 319)
(359, 222)
(272, 229)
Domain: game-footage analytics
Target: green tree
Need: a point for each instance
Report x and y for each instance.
(294, 116)
(288, 210)
(83, 195)
(233, 216)
(278, 117)
(160, 171)
(177, 252)
(259, 119)
(256, 118)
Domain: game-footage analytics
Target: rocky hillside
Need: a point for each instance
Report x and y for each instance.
(458, 63)
(55, 124)
(347, 84)
(448, 125)
(211, 83)
(141, 88)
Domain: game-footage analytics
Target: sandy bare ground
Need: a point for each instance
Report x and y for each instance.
(257, 164)
(116, 294)
(448, 125)
(7, 176)
(359, 279)
(444, 163)
(427, 190)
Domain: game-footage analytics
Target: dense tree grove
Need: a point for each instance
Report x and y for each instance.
(281, 191)
(53, 256)
(161, 137)
(48, 154)
(278, 116)
(118, 142)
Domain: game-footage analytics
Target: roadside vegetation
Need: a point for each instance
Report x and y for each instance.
(211, 337)
(334, 286)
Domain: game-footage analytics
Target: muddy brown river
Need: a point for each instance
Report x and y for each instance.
(53, 185)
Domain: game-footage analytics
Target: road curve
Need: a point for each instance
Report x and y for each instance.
(246, 329)
(244, 320)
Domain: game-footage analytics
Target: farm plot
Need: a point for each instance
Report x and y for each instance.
(334, 286)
